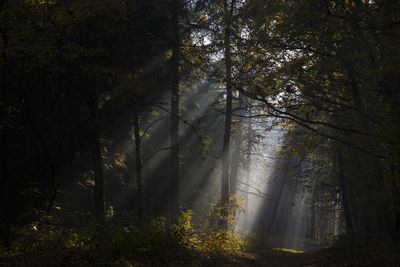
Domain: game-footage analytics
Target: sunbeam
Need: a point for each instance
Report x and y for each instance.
(199, 133)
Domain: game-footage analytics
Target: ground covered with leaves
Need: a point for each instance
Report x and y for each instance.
(324, 257)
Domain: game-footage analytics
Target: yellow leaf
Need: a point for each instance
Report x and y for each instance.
(337, 74)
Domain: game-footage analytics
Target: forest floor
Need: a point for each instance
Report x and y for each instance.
(322, 257)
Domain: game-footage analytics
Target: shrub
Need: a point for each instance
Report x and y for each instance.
(156, 240)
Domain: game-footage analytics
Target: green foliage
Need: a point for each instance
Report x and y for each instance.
(123, 237)
(208, 238)
(222, 242)
(329, 240)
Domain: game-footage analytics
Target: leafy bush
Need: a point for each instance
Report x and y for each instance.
(222, 242)
(156, 240)
(207, 238)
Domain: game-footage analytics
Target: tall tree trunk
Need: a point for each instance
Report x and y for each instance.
(6, 192)
(312, 217)
(343, 189)
(46, 158)
(4, 179)
(228, 118)
(174, 88)
(6, 209)
(138, 163)
(132, 5)
(97, 164)
(276, 206)
(237, 143)
(236, 156)
(247, 169)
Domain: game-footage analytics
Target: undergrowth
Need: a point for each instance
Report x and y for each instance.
(125, 240)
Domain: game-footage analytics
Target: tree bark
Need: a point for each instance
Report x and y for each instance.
(247, 167)
(6, 233)
(228, 119)
(237, 143)
(276, 207)
(4, 179)
(97, 165)
(138, 163)
(312, 218)
(136, 120)
(343, 189)
(174, 130)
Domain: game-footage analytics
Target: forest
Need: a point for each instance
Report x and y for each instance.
(200, 133)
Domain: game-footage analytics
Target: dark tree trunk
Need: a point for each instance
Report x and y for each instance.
(2, 2)
(97, 164)
(312, 218)
(247, 169)
(138, 163)
(236, 156)
(228, 119)
(343, 189)
(237, 143)
(136, 121)
(174, 88)
(276, 207)
(4, 179)
(247, 182)
(6, 210)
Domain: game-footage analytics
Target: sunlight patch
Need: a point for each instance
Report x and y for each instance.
(289, 250)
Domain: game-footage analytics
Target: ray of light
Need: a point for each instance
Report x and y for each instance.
(261, 168)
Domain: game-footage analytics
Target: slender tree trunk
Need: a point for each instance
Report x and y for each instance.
(2, 2)
(333, 219)
(228, 119)
(276, 206)
(236, 156)
(312, 219)
(138, 163)
(4, 179)
(342, 183)
(6, 210)
(247, 188)
(247, 167)
(97, 164)
(237, 143)
(320, 225)
(46, 158)
(136, 121)
(174, 131)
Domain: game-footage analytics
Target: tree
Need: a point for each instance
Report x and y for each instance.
(4, 118)
(329, 82)
(228, 112)
(174, 89)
